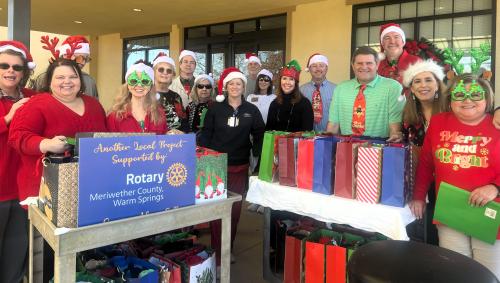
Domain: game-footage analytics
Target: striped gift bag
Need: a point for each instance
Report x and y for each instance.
(369, 174)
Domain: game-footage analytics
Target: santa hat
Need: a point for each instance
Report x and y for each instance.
(252, 57)
(419, 67)
(204, 77)
(18, 47)
(187, 53)
(140, 67)
(163, 58)
(227, 75)
(265, 73)
(83, 45)
(391, 27)
(291, 69)
(316, 58)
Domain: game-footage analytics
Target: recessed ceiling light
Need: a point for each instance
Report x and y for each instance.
(78, 22)
(137, 10)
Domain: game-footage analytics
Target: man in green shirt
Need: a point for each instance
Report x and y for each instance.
(378, 100)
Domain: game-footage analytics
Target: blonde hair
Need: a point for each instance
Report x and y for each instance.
(122, 104)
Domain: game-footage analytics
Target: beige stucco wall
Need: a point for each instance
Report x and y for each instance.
(323, 27)
(497, 60)
(109, 67)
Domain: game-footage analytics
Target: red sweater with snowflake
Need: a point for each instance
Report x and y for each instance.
(462, 155)
(10, 160)
(43, 117)
(128, 124)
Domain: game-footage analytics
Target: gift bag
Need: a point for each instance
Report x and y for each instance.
(324, 165)
(269, 158)
(320, 264)
(294, 254)
(345, 169)
(211, 175)
(305, 163)
(170, 272)
(394, 172)
(58, 196)
(368, 174)
(414, 156)
(286, 161)
(198, 267)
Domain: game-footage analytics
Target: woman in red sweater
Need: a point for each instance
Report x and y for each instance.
(47, 119)
(15, 69)
(462, 148)
(136, 108)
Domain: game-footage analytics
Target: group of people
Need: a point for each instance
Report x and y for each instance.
(400, 97)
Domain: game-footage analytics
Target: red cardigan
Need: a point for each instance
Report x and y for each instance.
(129, 124)
(43, 117)
(10, 160)
(462, 155)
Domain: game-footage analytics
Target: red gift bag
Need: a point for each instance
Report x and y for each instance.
(305, 164)
(286, 161)
(294, 252)
(345, 169)
(325, 262)
(336, 264)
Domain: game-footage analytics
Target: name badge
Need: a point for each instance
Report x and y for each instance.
(233, 121)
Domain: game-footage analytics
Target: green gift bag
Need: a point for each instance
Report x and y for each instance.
(453, 210)
(269, 156)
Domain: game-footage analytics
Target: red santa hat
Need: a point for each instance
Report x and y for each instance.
(391, 27)
(187, 53)
(18, 47)
(252, 57)
(163, 58)
(82, 47)
(419, 67)
(316, 58)
(227, 75)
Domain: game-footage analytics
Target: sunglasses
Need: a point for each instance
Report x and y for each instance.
(204, 86)
(143, 82)
(165, 70)
(17, 68)
(264, 80)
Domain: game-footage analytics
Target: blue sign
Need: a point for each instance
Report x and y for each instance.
(121, 177)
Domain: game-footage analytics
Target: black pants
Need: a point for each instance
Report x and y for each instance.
(13, 241)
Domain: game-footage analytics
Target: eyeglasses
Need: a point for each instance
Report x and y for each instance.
(17, 68)
(475, 92)
(81, 59)
(460, 96)
(143, 82)
(204, 86)
(264, 80)
(165, 70)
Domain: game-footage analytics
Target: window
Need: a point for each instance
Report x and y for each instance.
(144, 48)
(457, 24)
(222, 45)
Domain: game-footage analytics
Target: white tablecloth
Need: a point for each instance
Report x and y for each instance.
(387, 220)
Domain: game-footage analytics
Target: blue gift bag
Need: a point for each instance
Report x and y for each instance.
(324, 164)
(394, 167)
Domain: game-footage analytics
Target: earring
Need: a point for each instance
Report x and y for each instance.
(436, 95)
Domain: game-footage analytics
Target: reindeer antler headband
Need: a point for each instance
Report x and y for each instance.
(51, 45)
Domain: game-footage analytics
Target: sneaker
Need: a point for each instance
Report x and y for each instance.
(253, 207)
(233, 258)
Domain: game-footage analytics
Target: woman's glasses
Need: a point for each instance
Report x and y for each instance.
(475, 92)
(17, 68)
(204, 86)
(165, 70)
(264, 80)
(143, 82)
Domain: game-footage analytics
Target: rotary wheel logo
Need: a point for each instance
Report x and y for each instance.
(176, 174)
